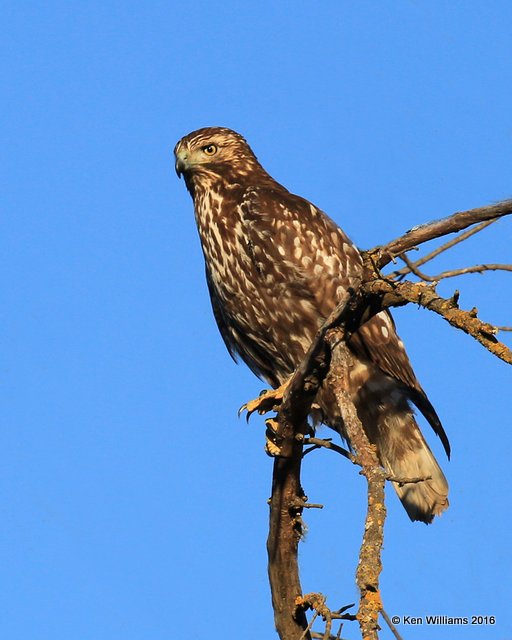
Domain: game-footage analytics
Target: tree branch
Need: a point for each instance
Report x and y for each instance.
(400, 293)
(370, 564)
(326, 443)
(382, 255)
(321, 443)
(454, 273)
(285, 531)
(444, 247)
(317, 602)
(288, 499)
(391, 626)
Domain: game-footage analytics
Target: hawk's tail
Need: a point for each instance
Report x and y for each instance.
(389, 423)
(405, 454)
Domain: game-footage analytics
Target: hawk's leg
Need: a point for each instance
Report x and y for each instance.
(268, 400)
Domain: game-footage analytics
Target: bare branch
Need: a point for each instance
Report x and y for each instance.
(310, 625)
(444, 247)
(285, 531)
(285, 528)
(401, 481)
(370, 563)
(412, 267)
(317, 602)
(400, 293)
(391, 625)
(288, 499)
(318, 443)
(423, 233)
(478, 268)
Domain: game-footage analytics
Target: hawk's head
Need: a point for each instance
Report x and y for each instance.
(212, 154)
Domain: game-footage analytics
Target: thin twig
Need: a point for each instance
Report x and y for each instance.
(452, 224)
(392, 627)
(412, 267)
(319, 443)
(401, 481)
(310, 625)
(317, 602)
(444, 247)
(321, 636)
(454, 273)
(478, 268)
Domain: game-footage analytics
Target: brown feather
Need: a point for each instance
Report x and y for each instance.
(276, 266)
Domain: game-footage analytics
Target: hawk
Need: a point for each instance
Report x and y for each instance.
(276, 266)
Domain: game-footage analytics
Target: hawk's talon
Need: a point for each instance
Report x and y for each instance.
(273, 429)
(268, 400)
(272, 449)
(273, 439)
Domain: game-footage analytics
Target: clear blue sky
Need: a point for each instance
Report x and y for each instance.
(132, 499)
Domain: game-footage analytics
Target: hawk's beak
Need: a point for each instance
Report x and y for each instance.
(181, 163)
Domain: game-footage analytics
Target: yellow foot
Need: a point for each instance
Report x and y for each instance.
(268, 400)
(272, 438)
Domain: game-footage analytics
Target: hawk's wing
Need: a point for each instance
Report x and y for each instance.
(377, 340)
(301, 252)
(234, 335)
(220, 317)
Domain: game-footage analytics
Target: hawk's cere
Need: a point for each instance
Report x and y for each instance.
(276, 267)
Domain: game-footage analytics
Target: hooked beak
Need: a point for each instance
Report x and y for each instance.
(181, 163)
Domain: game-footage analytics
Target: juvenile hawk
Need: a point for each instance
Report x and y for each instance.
(276, 266)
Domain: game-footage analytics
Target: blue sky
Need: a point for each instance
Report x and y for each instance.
(132, 499)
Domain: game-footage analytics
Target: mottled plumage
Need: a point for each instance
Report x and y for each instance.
(276, 266)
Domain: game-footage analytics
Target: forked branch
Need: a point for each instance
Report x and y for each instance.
(401, 293)
(412, 267)
(438, 228)
(400, 273)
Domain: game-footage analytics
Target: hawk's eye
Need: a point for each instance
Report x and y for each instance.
(210, 149)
